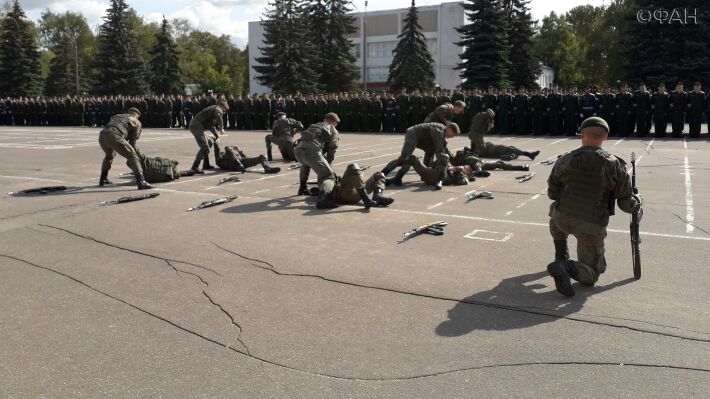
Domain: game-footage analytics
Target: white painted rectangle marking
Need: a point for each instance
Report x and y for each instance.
(488, 235)
(689, 212)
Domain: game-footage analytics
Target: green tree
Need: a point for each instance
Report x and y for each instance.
(413, 66)
(120, 67)
(19, 56)
(59, 33)
(164, 63)
(330, 29)
(524, 66)
(287, 56)
(484, 61)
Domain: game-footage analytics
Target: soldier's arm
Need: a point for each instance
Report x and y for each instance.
(619, 183)
(332, 145)
(554, 185)
(134, 131)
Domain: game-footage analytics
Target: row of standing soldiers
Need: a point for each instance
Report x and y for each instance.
(517, 112)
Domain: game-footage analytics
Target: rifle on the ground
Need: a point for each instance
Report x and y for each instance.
(525, 178)
(294, 166)
(215, 202)
(233, 178)
(434, 228)
(482, 195)
(634, 228)
(130, 198)
(39, 190)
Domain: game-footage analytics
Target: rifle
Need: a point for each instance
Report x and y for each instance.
(482, 195)
(40, 190)
(525, 178)
(129, 198)
(294, 166)
(233, 178)
(634, 228)
(216, 202)
(434, 228)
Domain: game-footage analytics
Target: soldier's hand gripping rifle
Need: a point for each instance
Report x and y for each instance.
(216, 202)
(634, 228)
(39, 190)
(434, 228)
(130, 198)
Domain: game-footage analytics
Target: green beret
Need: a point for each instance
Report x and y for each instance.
(332, 116)
(595, 121)
(454, 127)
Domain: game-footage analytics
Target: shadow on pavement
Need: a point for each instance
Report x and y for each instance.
(468, 316)
(306, 204)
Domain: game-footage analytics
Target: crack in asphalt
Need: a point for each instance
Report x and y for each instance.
(350, 378)
(526, 309)
(691, 224)
(45, 210)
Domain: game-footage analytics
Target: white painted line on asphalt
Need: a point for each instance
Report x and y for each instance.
(488, 235)
(260, 191)
(555, 142)
(522, 204)
(438, 204)
(31, 178)
(618, 142)
(689, 212)
(547, 225)
(188, 192)
(685, 144)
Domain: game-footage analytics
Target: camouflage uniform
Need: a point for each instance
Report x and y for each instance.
(425, 136)
(209, 118)
(444, 113)
(120, 136)
(282, 136)
(583, 185)
(319, 138)
(480, 125)
(235, 160)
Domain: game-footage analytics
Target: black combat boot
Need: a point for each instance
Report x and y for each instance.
(268, 152)
(481, 173)
(531, 155)
(439, 185)
(103, 180)
(184, 173)
(206, 164)
(141, 183)
(303, 188)
(196, 166)
(267, 168)
(365, 199)
(561, 270)
(381, 200)
(325, 201)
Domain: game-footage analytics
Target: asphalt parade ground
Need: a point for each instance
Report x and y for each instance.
(267, 297)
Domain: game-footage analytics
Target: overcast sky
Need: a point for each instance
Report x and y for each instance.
(230, 17)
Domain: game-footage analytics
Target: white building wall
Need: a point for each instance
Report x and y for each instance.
(379, 47)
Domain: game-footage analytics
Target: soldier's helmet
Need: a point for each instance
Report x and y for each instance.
(353, 170)
(134, 110)
(491, 113)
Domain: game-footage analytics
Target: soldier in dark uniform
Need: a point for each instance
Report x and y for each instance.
(443, 97)
(238, 113)
(642, 104)
(430, 103)
(571, 110)
(607, 107)
(375, 114)
(300, 110)
(120, 136)
(390, 114)
(490, 101)
(697, 103)
(589, 103)
(311, 110)
(365, 112)
(474, 105)
(625, 119)
(538, 105)
(403, 108)
(555, 106)
(187, 110)
(248, 113)
(583, 185)
(521, 107)
(505, 112)
(344, 110)
(416, 114)
(321, 107)
(660, 105)
(176, 112)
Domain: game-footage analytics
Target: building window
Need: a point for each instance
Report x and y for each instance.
(380, 49)
(356, 50)
(377, 74)
(432, 45)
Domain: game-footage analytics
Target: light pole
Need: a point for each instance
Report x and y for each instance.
(364, 48)
(76, 59)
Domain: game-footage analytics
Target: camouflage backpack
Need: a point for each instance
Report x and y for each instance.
(157, 169)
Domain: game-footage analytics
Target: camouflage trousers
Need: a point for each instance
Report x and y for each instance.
(198, 131)
(489, 150)
(410, 145)
(311, 157)
(590, 244)
(345, 190)
(112, 142)
(285, 144)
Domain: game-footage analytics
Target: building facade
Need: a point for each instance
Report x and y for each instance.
(546, 77)
(376, 37)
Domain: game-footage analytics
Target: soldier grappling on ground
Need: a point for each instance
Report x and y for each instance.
(351, 188)
(318, 139)
(481, 124)
(430, 137)
(282, 136)
(119, 136)
(584, 185)
(234, 159)
(445, 113)
(210, 119)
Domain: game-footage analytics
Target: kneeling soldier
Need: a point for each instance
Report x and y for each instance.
(319, 138)
(119, 136)
(282, 136)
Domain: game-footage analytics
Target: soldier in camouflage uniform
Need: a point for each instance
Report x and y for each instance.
(234, 159)
(482, 124)
(282, 136)
(352, 188)
(445, 113)
(210, 118)
(583, 185)
(430, 137)
(318, 139)
(120, 136)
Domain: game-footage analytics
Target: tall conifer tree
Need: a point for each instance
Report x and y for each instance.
(413, 66)
(19, 57)
(164, 65)
(524, 66)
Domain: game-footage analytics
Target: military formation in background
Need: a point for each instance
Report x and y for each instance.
(547, 111)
